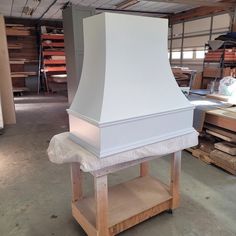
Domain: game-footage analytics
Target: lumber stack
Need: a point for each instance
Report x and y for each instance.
(21, 42)
(22, 49)
(17, 30)
(217, 142)
(53, 60)
(224, 160)
(215, 56)
(216, 154)
(224, 118)
(226, 147)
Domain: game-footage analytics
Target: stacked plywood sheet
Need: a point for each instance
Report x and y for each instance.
(215, 56)
(222, 125)
(22, 49)
(224, 118)
(224, 160)
(217, 144)
(225, 156)
(230, 55)
(21, 42)
(210, 154)
(227, 147)
(17, 30)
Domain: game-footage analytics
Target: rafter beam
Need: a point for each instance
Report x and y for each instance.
(133, 11)
(201, 12)
(127, 3)
(209, 3)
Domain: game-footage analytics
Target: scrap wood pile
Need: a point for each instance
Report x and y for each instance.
(182, 76)
(217, 145)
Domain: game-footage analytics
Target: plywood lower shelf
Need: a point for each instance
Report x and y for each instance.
(129, 203)
(20, 89)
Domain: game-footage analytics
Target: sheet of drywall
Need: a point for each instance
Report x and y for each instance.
(8, 108)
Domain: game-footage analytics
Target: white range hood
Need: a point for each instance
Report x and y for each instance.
(127, 96)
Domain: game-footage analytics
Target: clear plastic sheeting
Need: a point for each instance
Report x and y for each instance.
(62, 150)
(227, 86)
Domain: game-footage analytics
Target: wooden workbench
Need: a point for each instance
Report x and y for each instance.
(113, 210)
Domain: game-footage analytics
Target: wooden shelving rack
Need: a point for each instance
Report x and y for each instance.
(52, 66)
(219, 63)
(22, 53)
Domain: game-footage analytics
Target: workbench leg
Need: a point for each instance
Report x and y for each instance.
(101, 199)
(144, 169)
(175, 177)
(77, 182)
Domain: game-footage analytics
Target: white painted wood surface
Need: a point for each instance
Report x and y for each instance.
(126, 72)
(8, 106)
(127, 94)
(74, 45)
(1, 118)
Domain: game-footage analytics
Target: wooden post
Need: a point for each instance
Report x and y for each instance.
(76, 182)
(144, 169)
(175, 177)
(101, 199)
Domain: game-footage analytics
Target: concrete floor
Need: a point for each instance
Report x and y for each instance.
(35, 194)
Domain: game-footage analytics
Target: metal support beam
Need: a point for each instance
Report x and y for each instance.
(222, 4)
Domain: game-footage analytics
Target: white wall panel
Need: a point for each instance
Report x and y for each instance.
(195, 41)
(221, 21)
(177, 30)
(197, 25)
(176, 43)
